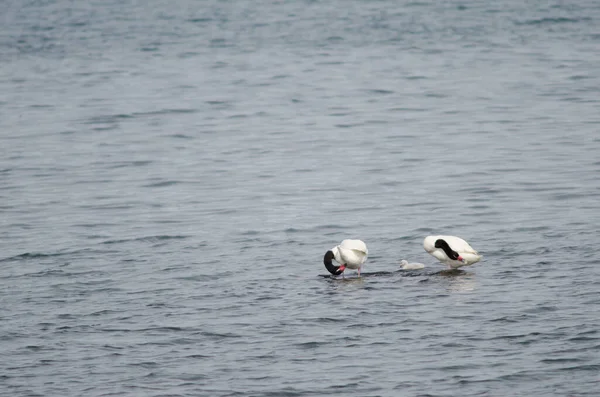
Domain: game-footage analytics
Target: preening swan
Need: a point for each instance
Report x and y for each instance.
(410, 266)
(451, 250)
(349, 254)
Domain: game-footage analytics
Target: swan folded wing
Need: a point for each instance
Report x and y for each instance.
(352, 258)
(469, 250)
(352, 255)
(359, 253)
(458, 244)
(354, 245)
(471, 258)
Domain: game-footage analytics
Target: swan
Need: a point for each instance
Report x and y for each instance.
(410, 266)
(349, 254)
(451, 250)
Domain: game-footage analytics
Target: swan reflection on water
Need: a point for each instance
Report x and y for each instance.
(454, 280)
(459, 280)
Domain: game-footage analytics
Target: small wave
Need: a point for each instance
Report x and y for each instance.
(200, 20)
(111, 119)
(350, 385)
(504, 319)
(579, 77)
(348, 125)
(52, 272)
(532, 229)
(560, 360)
(551, 21)
(145, 364)
(166, 328)
(330, 320)
(162, 112)
(151, 239)
(103, 312)
(162, 184)
(29, 255)
(123, 164)
(286, 392)
(221, 335)
(108, 119)
(219, 43)
(198, 356)
(404, 109)
(542, 309)
(380, 92)
(508, 337)
(309, 345)
(38, 255)
(192, 377)
(588, 367)
(583, 339)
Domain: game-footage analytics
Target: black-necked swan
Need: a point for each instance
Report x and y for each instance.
(410, 266)
(451, 250)
(349, 254)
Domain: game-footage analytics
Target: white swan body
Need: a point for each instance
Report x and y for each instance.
(451, 250)
(410, 266)
(350, 254)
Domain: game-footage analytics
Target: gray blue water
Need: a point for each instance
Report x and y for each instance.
(172, 173)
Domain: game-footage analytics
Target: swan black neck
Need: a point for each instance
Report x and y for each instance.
(449, 252)
(335, 270)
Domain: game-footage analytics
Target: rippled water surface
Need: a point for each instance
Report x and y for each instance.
(171, 175)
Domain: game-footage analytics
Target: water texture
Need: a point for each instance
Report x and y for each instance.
(171, 175)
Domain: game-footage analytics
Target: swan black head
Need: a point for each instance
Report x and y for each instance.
(440, 243)
(335, 270)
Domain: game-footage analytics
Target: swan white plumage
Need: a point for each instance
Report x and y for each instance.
(349, 254)
(451, 250)
(410, 266)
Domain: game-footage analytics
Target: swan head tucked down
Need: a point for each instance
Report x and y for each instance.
(450, 253)
(328, 261)
(349, 254)
(451, 250)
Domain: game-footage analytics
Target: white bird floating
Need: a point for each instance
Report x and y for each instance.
(349, 254)
(410, 266)
(451, 250)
